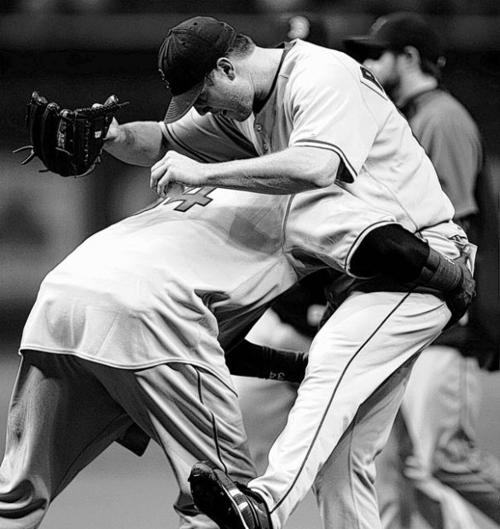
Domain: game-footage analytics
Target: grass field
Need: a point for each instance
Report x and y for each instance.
(121, 491)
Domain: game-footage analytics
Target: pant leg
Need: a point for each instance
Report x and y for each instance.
(60, 418)
(394, 492)
(265, 404)
(193, 415)
(345, 485)
(367, 339)
(440, 410)
(458, 462)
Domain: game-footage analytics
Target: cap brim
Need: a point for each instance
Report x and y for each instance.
(363, 44)
(180, 104)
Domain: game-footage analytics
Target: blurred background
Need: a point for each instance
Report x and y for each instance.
(78, 52)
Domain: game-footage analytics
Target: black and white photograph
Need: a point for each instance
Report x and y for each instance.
(250, 264)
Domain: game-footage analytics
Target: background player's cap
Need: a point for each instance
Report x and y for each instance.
(394, 32)
(188, 53)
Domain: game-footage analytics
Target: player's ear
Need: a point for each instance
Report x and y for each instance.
(411, 55)
(226, 67)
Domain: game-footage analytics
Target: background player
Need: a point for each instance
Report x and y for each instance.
(317, 120)
(440, 410)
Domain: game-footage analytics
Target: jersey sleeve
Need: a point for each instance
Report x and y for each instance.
(328, 111)
(207, 138)
(454, 147)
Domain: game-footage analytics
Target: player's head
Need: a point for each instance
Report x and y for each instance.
(396, 45)
(198, 62)
(307, 28)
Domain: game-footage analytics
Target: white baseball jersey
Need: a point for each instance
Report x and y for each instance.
(324, 99)
(168, 284)
(145, 290)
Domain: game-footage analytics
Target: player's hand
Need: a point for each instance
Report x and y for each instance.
(113, 131)
(175, 168)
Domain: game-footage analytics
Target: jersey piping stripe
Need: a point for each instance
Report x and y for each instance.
(359, 240)
(368, 85)
(323, 418)
(214, 421)
(331, 146)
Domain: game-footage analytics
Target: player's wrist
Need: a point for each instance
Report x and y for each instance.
(440, 273)
(208, 175)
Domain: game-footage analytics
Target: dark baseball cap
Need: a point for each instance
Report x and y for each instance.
(188, 53)
(395, 32)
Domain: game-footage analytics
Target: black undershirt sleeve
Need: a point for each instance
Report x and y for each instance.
(390, 250)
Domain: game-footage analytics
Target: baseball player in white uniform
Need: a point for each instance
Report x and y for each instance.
(316, 118)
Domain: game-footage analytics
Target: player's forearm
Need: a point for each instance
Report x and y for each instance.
(290, 171)
(251, 360)
(137, 143)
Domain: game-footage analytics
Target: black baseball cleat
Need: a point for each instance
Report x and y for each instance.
(229, 504)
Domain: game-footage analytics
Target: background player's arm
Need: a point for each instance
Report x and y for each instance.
(289, 171)
(137, 143)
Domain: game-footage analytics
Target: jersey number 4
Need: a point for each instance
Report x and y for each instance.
(192, 196)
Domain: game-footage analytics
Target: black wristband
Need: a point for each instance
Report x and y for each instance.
(250, 360)
(439, 273)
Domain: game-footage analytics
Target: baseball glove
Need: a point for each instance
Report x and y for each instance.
(68, 142)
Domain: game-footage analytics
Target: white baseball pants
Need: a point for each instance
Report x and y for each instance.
(65, 411)
(359, 364)
(433, 454)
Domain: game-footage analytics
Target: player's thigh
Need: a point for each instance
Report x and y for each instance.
(192, 413)
(361, 345)
(60, 419)
(376, 331)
